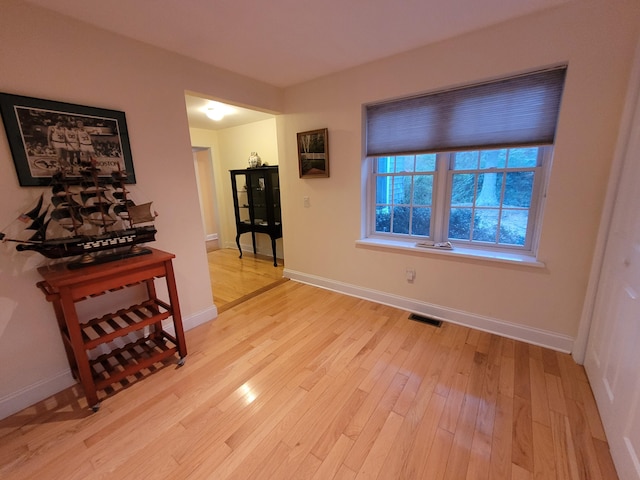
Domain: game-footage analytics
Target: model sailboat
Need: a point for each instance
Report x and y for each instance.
(82, 219)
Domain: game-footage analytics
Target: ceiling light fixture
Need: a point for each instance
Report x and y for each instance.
(215, 113)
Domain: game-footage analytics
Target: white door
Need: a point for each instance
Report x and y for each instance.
(613, 352)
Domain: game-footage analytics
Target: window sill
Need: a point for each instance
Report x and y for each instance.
(460, 252)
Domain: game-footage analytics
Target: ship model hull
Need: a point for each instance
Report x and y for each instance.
(83, 245)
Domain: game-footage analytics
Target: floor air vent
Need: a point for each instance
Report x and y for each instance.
(427, 320)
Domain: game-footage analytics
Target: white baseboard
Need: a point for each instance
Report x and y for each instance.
(193, 320)
(535, 336)
(16, 401)
(27, 396)
(211, 237)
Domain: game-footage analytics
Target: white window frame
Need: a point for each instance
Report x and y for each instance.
(442, 186)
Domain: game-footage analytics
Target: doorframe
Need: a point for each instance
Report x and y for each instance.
(630, 119)
(211, 181)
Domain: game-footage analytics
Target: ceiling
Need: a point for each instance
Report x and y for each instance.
(234, 116)
(285, 42)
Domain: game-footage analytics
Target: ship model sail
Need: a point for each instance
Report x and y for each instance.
(94, 219)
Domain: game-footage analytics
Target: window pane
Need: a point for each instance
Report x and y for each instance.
(383, 190)
(493, 158)
(420, 221)
(465, 161)
(518, 189)
(426, 163)
(405, 163)
(513, 227)
(422, 189)
(385, 164)
(401, 220)
(523, 157)
(463, 188)
(402, 190)
(489, 188)
(383, 219)
(491, 194)
(485, 227)
(460, 224)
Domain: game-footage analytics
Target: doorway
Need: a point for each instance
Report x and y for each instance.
(220, 146)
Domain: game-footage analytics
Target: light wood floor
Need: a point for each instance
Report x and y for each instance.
(305, 383)
(234, 279)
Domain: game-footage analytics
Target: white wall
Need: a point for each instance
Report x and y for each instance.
(45, 55)
(597, 39)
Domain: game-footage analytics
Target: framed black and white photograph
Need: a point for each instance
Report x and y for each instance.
(47, 136)
(313, 153)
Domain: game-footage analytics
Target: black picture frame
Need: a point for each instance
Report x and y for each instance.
(33, 125)
(313, 153)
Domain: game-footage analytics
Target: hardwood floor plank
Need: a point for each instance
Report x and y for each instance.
(380, 449)
(507, 376)
(522, 372)
(591, 412)
(501, 441)
(539, 395)
(585, 451)
(555, 394)
(519, 473)
(436, 463)
(543, 454)
(333, 461)
(458, 463)
(565, 453)
(300, 382)
(333, 432)
(605, 461)
(479, 457)
(455, 399)
(421, 442)
(522, 445)
(370, 433)
(415, 368)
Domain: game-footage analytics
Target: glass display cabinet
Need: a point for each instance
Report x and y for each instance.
(256, 201)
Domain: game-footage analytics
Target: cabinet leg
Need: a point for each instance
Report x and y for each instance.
(273, 249)
(238, 243)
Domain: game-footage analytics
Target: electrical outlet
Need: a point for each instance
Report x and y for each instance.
(411, 275)
(306, 201)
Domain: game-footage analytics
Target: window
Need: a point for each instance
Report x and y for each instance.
(489, 198)
(467, 166)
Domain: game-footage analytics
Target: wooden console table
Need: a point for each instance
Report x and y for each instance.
(64, 288)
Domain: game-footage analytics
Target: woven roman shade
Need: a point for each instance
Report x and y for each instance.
(515, 111)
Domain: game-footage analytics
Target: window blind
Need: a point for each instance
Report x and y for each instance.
(520, 110)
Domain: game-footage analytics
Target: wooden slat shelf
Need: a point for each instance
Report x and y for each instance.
(126, 361)
(114, 325)
(64, 288)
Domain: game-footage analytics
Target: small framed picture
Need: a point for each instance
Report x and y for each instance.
(313, 153)
(46, 137)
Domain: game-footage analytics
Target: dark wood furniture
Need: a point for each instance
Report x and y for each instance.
(81, 337)
(256, 200)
